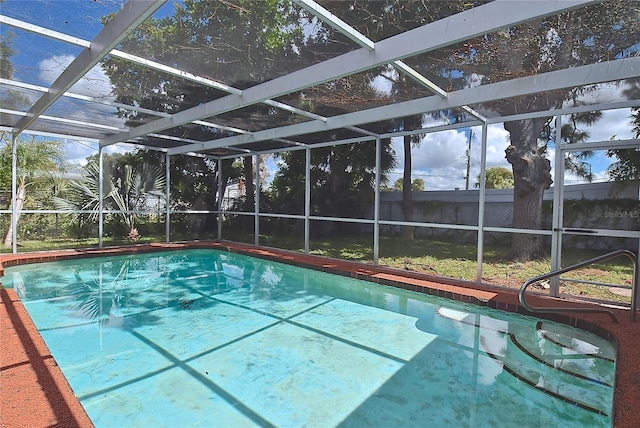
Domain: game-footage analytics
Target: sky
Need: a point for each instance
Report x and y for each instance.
(441, 159)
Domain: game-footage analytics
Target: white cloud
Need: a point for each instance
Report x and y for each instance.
(439, 149)
(497, 142)
(76, 152)
(433, 160)
(603, 93)
(441, 159)
(614, 124)
(94, 84)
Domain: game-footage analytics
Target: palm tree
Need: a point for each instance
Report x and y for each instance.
(36, 159)
(126, 195)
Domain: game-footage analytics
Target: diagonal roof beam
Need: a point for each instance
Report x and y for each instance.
(132, 14)
(432, 86)
(462, 26)
(312, 7)
(44, 31)
(324, 15)
(627, 68)
(351, 33)
(81, 97)
(153, 65)
(338, 24)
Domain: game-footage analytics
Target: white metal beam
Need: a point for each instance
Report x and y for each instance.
(223, 127)
(432, 86)
(585, 75)
(323, 14)
(344, 28)
(87, 98)
(132, 14)
(65, 120)
(566, 110)
(456, 28)
(44, 31)
(364, 42)
(145, 63)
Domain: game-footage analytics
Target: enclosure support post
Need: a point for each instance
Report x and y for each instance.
(100, 195)
(307, 198)
(220, 197)
(14, 193)
(376, 206)
(256, 208)
(167, 213)
(556, 222)
(481, 201)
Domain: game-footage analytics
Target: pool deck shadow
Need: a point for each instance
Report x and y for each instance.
(35, 393)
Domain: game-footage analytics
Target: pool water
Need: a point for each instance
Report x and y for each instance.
(211, 338)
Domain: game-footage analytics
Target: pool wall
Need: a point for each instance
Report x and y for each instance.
(35, 393)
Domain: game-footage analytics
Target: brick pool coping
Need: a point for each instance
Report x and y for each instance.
(35, 393)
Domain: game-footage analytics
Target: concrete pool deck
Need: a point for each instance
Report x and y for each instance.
(34, 393)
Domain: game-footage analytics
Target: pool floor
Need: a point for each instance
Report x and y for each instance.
(205, 346)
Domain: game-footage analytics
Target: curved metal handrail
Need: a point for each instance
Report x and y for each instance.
(611, 255)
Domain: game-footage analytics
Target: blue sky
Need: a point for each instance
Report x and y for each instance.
(441, 160)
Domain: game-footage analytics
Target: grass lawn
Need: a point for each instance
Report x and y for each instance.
(454, 260)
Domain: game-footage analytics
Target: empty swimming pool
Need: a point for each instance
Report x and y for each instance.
(204, 337)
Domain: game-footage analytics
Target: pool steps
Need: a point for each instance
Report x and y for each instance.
(563, 374)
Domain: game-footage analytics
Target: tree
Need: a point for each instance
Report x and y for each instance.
(271, 38)
(417, 184)
(626, 168)
(342, 181)
(125, 194)
(6, 51)
(37, 160)
(193, 184)
(560, 41)
(551, 43)
(240, 44)
(379, 20)
(498, 177)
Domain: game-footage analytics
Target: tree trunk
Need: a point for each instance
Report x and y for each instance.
(407, 195)
(20, 195)
(532, 176)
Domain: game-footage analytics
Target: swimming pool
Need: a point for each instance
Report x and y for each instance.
(203, 336)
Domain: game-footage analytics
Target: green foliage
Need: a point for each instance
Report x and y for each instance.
(241, 44)
(342, 180)
(125, 194)
(498, 177)
(6, 51)
(39, 164)
(37, 160)
(417, 184)
(626, 168)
